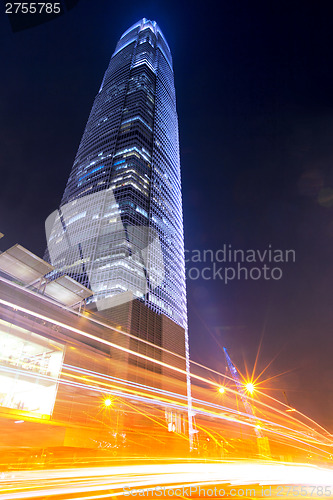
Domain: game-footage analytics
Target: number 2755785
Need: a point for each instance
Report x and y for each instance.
(33, 8)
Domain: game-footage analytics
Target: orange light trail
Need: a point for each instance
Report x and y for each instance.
(206, 408)
(103, 482)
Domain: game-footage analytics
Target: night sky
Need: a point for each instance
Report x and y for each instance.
(254, 86)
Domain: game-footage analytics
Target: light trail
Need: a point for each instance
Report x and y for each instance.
(301, 439)
(92, 318)
(180, 406)
(105, 342)
(119, 481)
(147, 395)
(101, 323)
(279, 430)
(134, 353)
(161, 363)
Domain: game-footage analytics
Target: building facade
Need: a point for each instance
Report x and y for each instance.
(119, 228)
(55, 375)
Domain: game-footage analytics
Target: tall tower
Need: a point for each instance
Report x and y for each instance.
(119, 228)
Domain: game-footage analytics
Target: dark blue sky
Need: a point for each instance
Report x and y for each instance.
(254, 84)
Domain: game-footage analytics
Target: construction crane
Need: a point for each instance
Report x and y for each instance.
(240, 388)
(262, 441)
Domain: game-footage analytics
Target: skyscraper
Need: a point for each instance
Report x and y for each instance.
(119, 227)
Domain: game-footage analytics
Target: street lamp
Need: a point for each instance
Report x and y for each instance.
(249, 386)
(221, 390)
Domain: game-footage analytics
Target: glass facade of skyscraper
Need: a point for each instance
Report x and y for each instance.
(119, 227)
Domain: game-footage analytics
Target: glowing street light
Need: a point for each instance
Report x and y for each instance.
(107, 402)
(249, 386)
(221, 390)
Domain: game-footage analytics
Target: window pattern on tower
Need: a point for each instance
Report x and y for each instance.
(126, 176)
